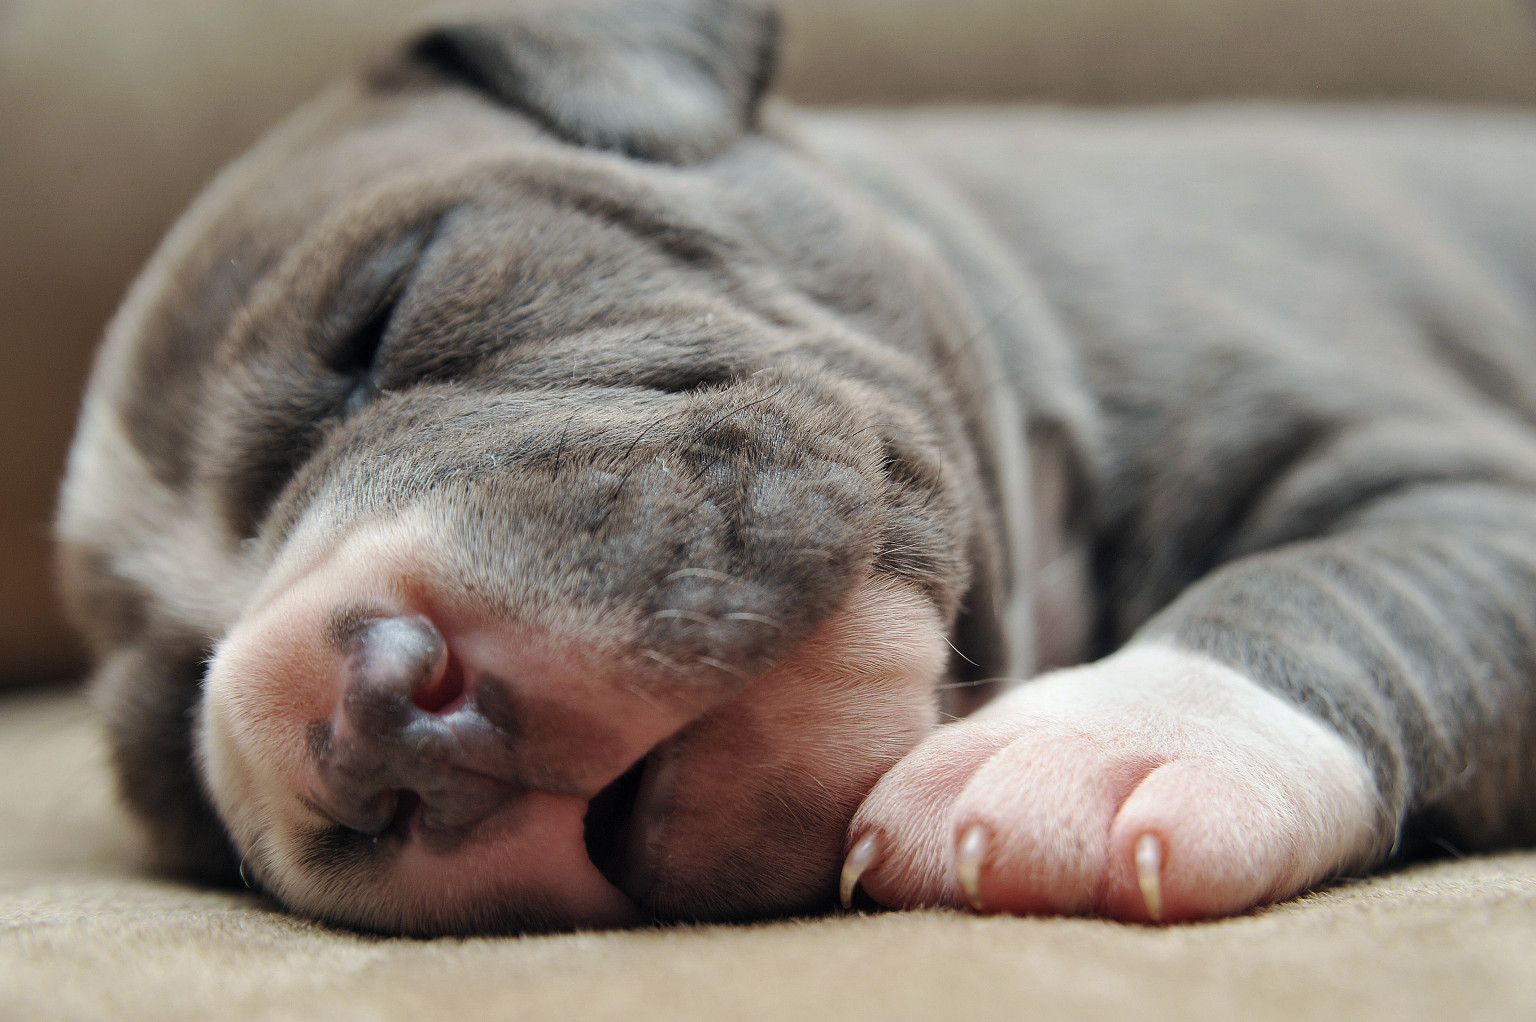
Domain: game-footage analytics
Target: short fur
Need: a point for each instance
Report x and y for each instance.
(666, 363)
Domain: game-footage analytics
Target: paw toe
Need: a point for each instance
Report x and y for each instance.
(1158, 786)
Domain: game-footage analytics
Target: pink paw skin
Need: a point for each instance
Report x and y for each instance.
(1154, 785)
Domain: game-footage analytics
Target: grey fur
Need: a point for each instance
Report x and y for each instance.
(1284, 363)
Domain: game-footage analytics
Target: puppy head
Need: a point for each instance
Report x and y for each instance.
(485, 528)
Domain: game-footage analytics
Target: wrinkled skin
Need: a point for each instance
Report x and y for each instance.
(613, 451)
(540, 486)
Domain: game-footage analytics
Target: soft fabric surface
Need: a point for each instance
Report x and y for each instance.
(83, 935)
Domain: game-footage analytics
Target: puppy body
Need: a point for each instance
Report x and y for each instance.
(1307, 341)
(506, 502)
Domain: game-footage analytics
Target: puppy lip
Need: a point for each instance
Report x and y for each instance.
(610, 823)
(646, 837)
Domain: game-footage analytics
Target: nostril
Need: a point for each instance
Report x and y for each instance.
(392, 659)
(444, 692)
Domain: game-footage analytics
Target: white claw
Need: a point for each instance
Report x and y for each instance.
(969, 855)
(860, 857)
(1149, 873)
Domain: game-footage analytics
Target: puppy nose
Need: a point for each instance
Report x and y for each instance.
(390, 754)
(397, 663)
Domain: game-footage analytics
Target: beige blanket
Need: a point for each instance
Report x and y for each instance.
(84, 935)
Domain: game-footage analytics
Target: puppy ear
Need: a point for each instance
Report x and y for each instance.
(671, 80)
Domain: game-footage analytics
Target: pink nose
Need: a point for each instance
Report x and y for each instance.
(401, 657)
(408, 747)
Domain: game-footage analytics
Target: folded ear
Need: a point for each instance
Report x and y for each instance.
(672, 80)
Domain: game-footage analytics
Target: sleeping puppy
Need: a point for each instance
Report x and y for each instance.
(543, 486)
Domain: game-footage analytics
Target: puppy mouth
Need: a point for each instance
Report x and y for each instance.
(611, 824)
(541, 792)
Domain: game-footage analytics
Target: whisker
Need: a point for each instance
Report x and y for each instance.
(950, 355)
(872, 425)
(950, 686)
(959, 654)
(718, 576)
(769, 533)
(564, 433)
(629, 454)
(742, 615)
(720, 665)
(686, 615)
(641, 695)
(663, 660)
(738, 410)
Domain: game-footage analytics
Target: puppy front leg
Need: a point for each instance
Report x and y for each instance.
(1280, 723)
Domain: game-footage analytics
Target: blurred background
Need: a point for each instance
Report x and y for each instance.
(114, 112)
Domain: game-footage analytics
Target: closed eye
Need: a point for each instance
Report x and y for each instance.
(357, 326)
(356, 358)
(352, 326)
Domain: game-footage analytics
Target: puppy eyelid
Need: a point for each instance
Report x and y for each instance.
(363, 307)
(356, 355)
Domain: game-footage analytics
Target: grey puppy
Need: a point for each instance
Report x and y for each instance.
(543, 485)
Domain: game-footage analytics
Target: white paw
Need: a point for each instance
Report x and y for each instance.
(1153, 784)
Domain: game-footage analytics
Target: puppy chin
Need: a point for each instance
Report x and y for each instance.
(524, 868)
